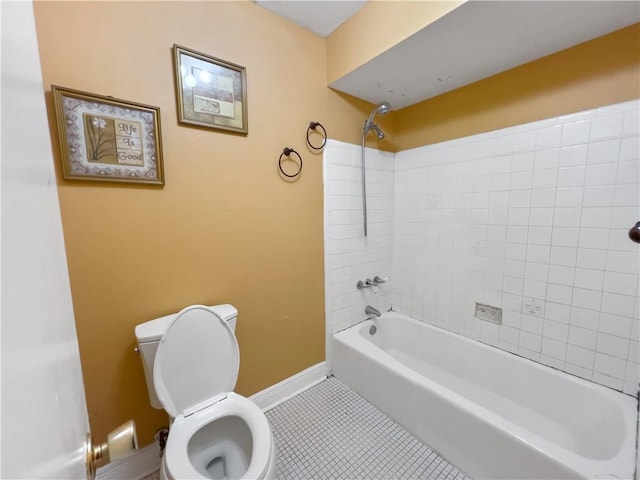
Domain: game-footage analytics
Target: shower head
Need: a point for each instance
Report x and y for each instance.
(382, 109)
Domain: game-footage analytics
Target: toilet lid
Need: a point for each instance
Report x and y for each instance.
(197, 361)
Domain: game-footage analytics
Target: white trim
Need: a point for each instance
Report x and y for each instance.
(147, 460)
(289, 387)
(136, 466)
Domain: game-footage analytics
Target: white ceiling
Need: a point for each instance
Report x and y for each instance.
(476, 40)
(321, 17)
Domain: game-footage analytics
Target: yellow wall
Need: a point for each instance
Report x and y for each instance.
(375, 28)
(599, 72)
(225, 227)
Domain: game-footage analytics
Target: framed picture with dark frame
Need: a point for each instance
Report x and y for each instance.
(107, 139)
(211, 93)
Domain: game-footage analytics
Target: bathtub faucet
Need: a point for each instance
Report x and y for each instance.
(368, 283)
(377, 280)
(372, 311)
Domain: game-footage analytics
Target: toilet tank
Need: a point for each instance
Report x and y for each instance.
(148, 336)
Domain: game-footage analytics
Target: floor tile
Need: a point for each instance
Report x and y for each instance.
(330, 432)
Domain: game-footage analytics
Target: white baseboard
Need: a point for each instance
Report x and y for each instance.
(147, 460)
(287, 388)
(140, 464)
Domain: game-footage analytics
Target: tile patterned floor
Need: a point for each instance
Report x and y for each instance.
(330, 432)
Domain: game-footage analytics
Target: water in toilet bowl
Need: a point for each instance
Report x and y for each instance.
(222, 452)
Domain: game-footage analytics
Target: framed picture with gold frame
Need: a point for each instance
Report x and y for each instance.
(104, 138)
(211, 93)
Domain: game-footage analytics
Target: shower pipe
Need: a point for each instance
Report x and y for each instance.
(382, 109)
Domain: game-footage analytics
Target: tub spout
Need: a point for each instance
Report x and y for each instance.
(372, 311)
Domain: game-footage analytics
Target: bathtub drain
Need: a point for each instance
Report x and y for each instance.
(372, 330)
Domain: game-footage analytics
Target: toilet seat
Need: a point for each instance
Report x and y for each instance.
(199, 342)
(177, 461)
(194, 374)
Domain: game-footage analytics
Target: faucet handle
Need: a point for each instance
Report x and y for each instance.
(366, 284)
(377, 280)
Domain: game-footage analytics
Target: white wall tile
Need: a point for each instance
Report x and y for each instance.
(580, 356)
(622, 305)
(628, 172)
(619, 240)
(543, 197)
(607, 127)
(546, 159)
(586, 373)
(607, 381)
(604, 151)
(582, 317)
(596, 217)
(631, 123)
(611, 366)
(522, 161)
(576, 132)
(629, 149)
(574, 155)
(556, 330)
(634, 352)
(598, 195)
(565, 236)
(559, 294)
(561, 275)
(530, 341)
(582, 337)
(541, 217)
(587, 299)
(567, 217)
(569, 196)
(623, 262)
(563, 256)
(536, 235)
(589, 279)
(627, 195)
(538, 253)
(595, 238)
(548, 137)
(601, 174)
(531, 218)
(623, 283)
(571, 176)
(612, 345)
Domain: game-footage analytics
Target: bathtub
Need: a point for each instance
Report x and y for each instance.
(490, 413)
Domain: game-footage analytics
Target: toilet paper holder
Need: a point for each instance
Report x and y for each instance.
(120, 442)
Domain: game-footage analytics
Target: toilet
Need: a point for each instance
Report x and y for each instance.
(191, 361)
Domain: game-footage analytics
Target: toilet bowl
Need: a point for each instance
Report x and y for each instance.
(235, 442)
(215, 433)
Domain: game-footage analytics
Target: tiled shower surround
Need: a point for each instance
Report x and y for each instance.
(532, 219)
(349, 255)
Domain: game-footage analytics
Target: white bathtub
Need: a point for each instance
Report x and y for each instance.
(490, 413)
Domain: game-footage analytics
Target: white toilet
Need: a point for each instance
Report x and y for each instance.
(191, 362)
